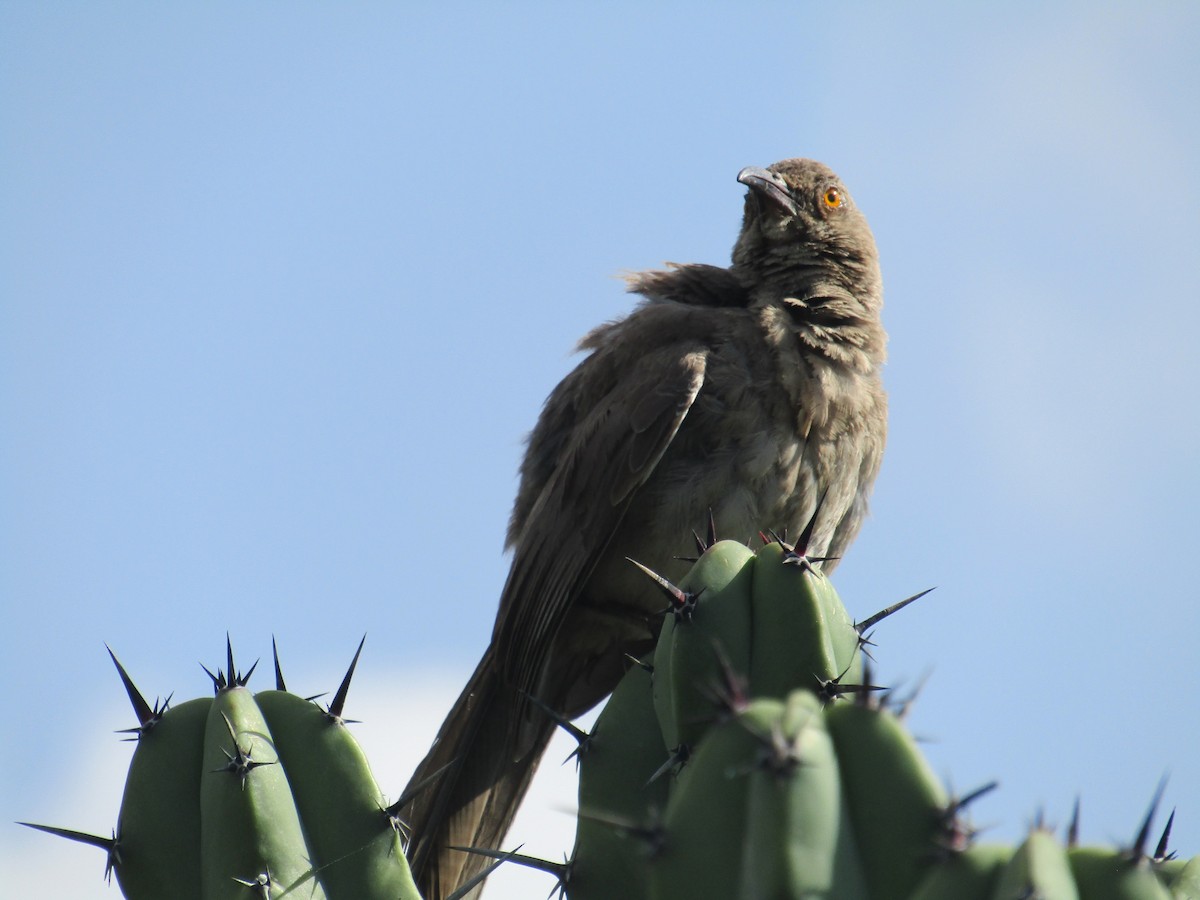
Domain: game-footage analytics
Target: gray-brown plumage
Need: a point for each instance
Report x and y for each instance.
(752, 391)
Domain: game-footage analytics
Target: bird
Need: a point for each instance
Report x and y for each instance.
(751, 394)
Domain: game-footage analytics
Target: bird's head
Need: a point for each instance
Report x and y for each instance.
(808, 259)
(799, 218)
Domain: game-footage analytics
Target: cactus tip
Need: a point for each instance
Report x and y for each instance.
(871, 621)
(1138, 850)
(651, 833)
(240, 762)
(501, 858)
(338, 704)
(1161, 852)
(675, 761)
(279, 682)
(218, 680)
(1073, 825)
(110, 845)
(262, 881)
(147, 716)
(710, 535)
(682, 603)
(582, 738)
(393, 812)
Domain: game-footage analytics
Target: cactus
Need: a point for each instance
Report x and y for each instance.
(245, 795)
(748, 757)
(783, 775)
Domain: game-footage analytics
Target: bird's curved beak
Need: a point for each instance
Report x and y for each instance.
(770, 187)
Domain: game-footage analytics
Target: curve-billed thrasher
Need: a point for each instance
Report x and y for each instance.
(753, 392)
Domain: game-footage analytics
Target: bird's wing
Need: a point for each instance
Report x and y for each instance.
(616, 440)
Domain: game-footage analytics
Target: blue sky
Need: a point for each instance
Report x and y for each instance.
(282, 288)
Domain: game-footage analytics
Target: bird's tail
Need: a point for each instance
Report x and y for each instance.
(488, 762)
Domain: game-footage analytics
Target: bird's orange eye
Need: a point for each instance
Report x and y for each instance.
(832, 198)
